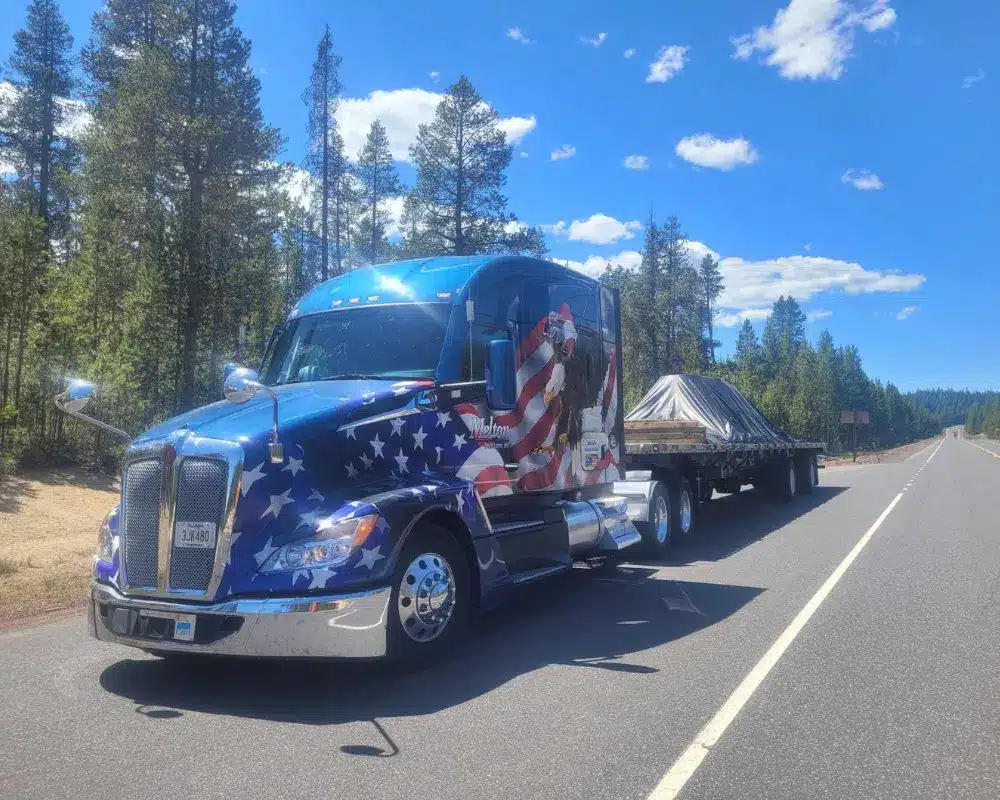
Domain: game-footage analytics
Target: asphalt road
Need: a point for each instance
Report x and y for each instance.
(594, 685)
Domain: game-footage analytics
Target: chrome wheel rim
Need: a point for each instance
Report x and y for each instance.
(661, 520)
(685, 512)
(427, 595)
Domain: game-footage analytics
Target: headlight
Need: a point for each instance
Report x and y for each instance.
(330, 546)
(105, 540)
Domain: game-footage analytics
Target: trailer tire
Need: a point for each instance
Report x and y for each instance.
(431, 601)
(682, 508)
(805, 474)
(783, 480)
(657, 531)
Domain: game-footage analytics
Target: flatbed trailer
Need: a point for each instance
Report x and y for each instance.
(672, 467)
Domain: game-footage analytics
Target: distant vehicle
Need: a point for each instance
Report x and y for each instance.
(421, 439)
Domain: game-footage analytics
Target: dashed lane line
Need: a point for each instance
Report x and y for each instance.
(673, 781)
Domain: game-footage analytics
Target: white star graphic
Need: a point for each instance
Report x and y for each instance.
(401, 459)
(438, 450)
(369, 557)
(432, 488)
(381, 525)
(264, 554)
(460, 441)
(377, 446)
(370, 399)
(310, 518)
(250, 477)
(278, 501)
(349, 433)
(294, 466)
(400, 390)
(461, 501)
(299, 573)
(443, 419)
(232, 543)
(320, 577)
(418, 438)
(315, 495)
(352, 471)
(367, 461)
(397, 427)
(114, 578)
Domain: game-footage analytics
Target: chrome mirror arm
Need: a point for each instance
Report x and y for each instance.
(61, 403)
(275, 450)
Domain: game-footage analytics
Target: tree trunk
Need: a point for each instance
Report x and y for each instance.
(326, 163)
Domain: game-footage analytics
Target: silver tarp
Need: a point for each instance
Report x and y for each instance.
(727, 415)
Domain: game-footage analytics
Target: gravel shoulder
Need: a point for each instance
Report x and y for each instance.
(893, 456)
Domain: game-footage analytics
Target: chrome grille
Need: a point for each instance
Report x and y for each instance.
(141, 503)
(201, 497)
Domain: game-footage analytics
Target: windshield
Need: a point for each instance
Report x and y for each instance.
(391, 342)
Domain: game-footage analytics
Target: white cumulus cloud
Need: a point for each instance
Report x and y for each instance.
(730, 319)
(668, 62)
(862, 179)
(594, 266)
(518, 36)
(818, 314)
(434, 76)
(402, 112)
(971, 80)
(705, 150)
(566, 151)
(636, 162)
(812, 39)
(76, 119)
(629, 53)
(596, 229)
(596, 41)
(907, 311)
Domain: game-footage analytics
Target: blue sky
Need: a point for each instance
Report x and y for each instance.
(841, 151)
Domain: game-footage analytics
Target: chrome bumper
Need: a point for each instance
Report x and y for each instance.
(320, 626)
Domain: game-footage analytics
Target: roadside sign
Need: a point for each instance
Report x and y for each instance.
(854, 417)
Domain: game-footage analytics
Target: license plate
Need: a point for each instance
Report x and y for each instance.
(183, 623)
(194, 534)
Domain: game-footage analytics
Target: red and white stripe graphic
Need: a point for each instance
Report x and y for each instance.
(532, 422)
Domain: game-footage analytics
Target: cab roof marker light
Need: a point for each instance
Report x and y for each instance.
(354, 300)
(337, 302)
(443, 295)
(372, 298)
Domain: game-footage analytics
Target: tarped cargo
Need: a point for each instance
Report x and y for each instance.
(728, 417)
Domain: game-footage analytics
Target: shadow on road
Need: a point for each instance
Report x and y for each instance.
(732, 522)
(598, 617)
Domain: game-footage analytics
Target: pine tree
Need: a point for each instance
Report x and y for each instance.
(711, 287)
(461, 158)
(325, 157)
(41, 69)
(380, 184)
(648, 300)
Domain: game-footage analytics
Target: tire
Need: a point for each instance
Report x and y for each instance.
(432, 568)
(784, 483)
(656, 532)
(805, 475)
(682, 508)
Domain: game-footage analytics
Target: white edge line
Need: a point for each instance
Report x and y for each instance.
(682, 770)
(928, 461)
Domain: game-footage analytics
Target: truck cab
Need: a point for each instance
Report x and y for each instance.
(420, 438)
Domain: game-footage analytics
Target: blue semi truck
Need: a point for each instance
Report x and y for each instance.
(420, 439)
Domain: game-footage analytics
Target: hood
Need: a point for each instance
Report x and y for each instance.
(298, 405)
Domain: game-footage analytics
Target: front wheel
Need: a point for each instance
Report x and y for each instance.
(430, 604)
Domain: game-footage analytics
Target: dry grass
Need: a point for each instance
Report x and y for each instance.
(48, 535)
(884, 457)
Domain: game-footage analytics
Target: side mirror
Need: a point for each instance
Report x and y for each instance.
(228, 369)
(501, 380)
(241, 385)
(77, 395)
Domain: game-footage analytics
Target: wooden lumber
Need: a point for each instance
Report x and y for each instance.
(665, 431)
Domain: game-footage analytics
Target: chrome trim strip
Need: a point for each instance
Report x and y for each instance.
(406, 412)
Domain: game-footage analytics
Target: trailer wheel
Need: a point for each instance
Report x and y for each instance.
(430, 603)
(805, 474)
(656, 533)
(682, 507)
(785, 485)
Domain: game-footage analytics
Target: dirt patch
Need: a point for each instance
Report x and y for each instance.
(892, 456)
(48, 535)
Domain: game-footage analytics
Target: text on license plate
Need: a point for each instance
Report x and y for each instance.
(194, 534)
